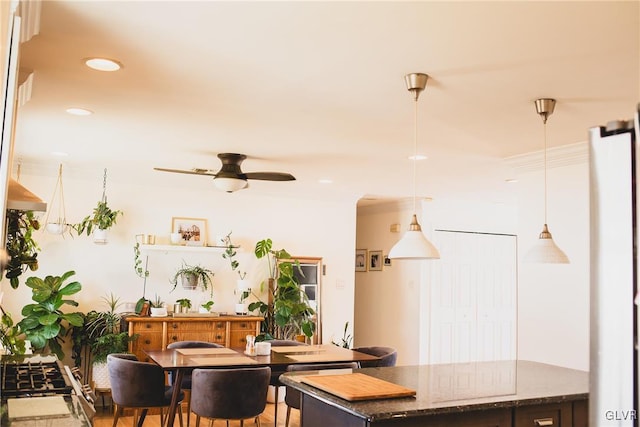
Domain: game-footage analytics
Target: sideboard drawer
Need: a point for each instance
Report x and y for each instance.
(553, 415)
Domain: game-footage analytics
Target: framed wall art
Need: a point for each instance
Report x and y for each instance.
(192, 230)
(361, 260)
(375, 260)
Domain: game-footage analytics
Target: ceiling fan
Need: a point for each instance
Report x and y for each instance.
(230, 177)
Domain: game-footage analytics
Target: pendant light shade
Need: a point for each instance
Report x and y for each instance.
(414, 244)
(545, 250)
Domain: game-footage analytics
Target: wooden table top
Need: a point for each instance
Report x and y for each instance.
(279, 357)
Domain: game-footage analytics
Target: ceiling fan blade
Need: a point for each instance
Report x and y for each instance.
(190, 172)
(270, 176)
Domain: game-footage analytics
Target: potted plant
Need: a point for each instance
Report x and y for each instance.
(21, 248)
(99, 222)
(287, 312)
(11, 337)
(44, 323)
(205, 307)
(158, 307)
(105, 336)
(192, 276)
(241, 306)
(185, 304)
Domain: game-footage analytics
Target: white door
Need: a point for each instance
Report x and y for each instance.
(473, 298)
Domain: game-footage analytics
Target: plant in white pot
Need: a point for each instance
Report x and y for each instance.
(105, 337)
(192, 276)
(102, 218)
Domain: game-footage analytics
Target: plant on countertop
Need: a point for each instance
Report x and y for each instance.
(287, 311)
(207, 305)
(193, 275)
(184, 303)
(230, 253)
(21, 248)
(44, 323)
(157, 302)
(103, 218)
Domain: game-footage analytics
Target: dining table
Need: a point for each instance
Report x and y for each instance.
(183, 360)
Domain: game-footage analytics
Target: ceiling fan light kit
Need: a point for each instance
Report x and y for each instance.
(230, 177)
(414, 244)
(546, 250)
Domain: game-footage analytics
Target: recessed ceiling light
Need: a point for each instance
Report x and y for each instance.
(103, 64)
(418, 157)
(79, 111)
(325, 181)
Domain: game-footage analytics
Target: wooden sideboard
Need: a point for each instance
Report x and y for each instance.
(155, 333)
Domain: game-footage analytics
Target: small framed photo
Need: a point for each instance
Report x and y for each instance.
(375, 260)
(192, 230)
(387, 261)
(361, 260)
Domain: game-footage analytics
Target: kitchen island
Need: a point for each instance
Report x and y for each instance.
(503, 394)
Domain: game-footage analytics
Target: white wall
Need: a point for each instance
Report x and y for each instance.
(392, 306)
(553, 299)
(304, 227)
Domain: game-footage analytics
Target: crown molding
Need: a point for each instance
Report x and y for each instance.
(564, 155)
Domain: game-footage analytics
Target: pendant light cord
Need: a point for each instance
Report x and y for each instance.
(415, 150)
(545, 172)
(104, 186)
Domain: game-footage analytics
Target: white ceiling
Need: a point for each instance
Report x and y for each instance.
(316, 89)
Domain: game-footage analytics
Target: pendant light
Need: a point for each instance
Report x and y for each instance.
(414, 244)
(546, 250)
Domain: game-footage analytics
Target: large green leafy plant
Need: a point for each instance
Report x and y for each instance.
(287, 311)
(21, 248)
(44, 323)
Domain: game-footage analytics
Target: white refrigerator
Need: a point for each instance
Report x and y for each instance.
(614, 169)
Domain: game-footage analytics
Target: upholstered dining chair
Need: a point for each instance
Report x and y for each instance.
(387, 355)
(229, 394)
(137, 385)
(275, 374)
(186, 379)
(293, 396)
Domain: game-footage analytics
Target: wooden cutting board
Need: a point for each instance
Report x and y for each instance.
(357, 386)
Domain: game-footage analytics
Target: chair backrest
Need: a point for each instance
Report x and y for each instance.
(193, 344)
(292, 398)
(134, 383)
(229, 393)
(388, 356)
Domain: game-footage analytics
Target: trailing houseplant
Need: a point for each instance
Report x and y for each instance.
(287, 312)
(102, 218)
(21, 248)
(44, 323)
(192, 276)
(142, 273)
(11, 336)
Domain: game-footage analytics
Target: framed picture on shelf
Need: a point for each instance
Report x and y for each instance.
(387, 261)
(375, 260)
(192, 230)
(361, 260)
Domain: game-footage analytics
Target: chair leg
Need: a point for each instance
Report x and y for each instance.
(286, 422)
(258, 421)
(187, 397)
(275, 407)
(197, 420)
(116, 414)
(180, 417)
(241, 423)
(143, 415)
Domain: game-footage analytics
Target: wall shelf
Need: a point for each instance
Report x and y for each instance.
(182, 248)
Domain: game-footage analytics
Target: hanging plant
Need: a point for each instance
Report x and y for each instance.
(102, 219)
(21, 248)
(59, 225)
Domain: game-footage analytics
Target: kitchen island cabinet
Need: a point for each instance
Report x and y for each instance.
(155, 333)
(496, 394)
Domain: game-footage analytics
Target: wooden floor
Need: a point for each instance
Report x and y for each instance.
(104, 418)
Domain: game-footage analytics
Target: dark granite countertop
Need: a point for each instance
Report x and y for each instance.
(459, 387)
